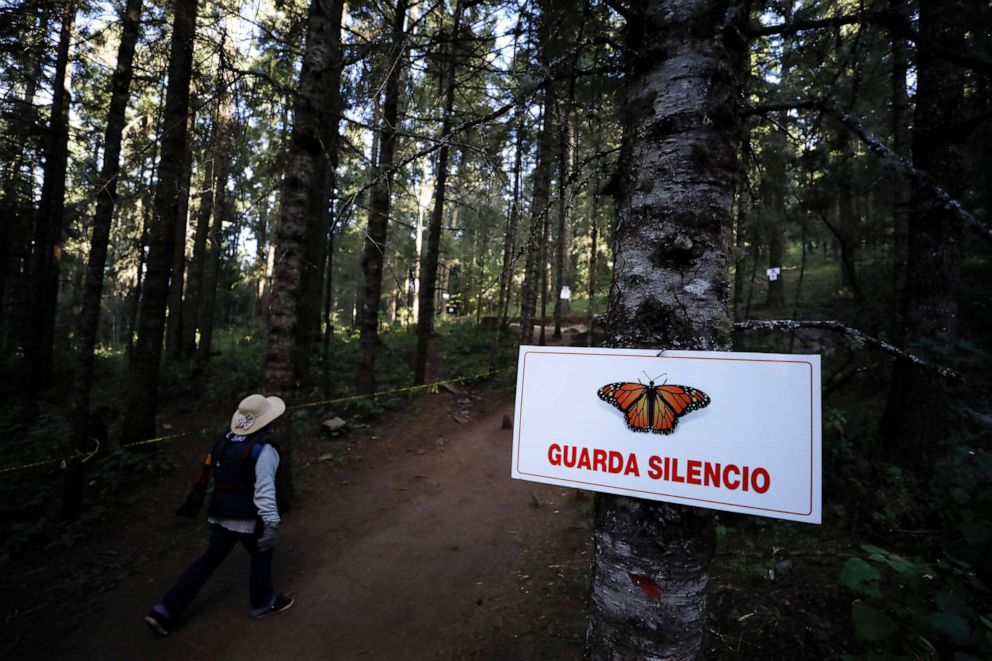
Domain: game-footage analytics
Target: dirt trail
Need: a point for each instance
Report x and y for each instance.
(418, 550)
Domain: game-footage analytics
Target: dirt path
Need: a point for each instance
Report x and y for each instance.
(424, 548)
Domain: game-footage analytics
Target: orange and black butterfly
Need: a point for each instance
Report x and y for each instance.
(651, 408)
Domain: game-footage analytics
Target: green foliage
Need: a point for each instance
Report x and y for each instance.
(235, 368)
(908, 606)
(962, 502)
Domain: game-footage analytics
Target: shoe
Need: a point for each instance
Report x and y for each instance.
(282, 602)
(158, 623)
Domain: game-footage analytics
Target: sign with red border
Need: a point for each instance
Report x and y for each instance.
(730, 431)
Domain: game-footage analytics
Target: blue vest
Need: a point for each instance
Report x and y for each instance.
(233, 468)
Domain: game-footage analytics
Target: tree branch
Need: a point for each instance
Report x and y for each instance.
(894, 21)
(918, 177)
(625, 13)
(852, 333)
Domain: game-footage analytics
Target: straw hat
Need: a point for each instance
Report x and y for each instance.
(254, 412)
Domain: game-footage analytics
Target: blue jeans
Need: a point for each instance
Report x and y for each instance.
(221, 542)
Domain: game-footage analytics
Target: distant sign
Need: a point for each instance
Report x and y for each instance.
(566, 293)
(730, 431)
(773, 273)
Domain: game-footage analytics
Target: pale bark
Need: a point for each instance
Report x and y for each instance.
(283, 355)
(675, 192)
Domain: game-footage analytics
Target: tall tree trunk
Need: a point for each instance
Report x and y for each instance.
(424, 195)
(261, 251)
(564, 213)
(773, 187)
(670, 288)
(378, 224)
(89, 317)
(428, 269)
(930, 298)
(141, 392)
(510, 235)
(205, 210)
(740, 256)
(174, 304)
(542, 261)
(320, 219)
(901, 140)
(47, 251)
(847, 232)
(284, 358)
(222, 156)
(540, 200)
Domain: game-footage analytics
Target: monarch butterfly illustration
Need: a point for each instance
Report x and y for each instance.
(651, 408)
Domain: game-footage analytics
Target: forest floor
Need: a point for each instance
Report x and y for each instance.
(410, 540)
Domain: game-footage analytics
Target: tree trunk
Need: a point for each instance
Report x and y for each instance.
(174, 318)
(776, 250)
(205, 209)
(378, 224)
(510, 235)
(773, 187)
(47, 250)
(564, 213)
(320, 218)
(540, 200)
(901, 139)
(284, 358)
(222, 156)
(106, 196)
(141, 392)
(930, 298)
(428, 269)
(669, 290)
(847, 232)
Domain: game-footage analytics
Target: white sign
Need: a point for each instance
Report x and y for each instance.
(728, 431)
(773, 273)
(566, 293)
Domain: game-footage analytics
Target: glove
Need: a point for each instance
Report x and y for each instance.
(268, 538)
(194, 501)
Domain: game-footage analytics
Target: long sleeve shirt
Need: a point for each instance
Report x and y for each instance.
(265, 495)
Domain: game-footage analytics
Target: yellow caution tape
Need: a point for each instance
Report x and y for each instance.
(86, 456)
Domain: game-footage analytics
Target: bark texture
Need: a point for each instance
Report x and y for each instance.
(320, 219)
(378, 224)
(141, 393)
(678, 172)
(283, 353)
